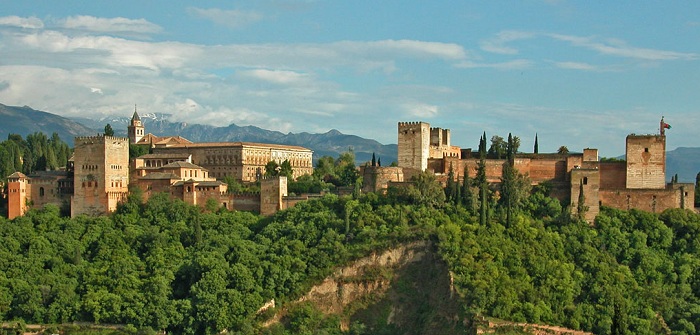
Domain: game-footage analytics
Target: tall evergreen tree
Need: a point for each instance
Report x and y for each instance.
(451, 187)
(537, 146)
(581, 207)
(697, 190)
(508, 183)
(108, 130)
(466, 192)
(482, 182)
(374, 160)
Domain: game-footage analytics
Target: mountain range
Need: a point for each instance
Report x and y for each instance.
(683, 161)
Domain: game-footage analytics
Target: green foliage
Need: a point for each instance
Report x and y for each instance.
(137, 150)
(36, 153)
(108, 130)
(165, 265)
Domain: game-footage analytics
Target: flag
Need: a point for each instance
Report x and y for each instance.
(665, 125)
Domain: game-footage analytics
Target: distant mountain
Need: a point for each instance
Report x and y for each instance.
(25, 121)
(331, 143)
(683, 161)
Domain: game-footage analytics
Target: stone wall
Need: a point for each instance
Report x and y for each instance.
(377, 178)
(613, 175)
(589, 180)
(646, 162)
(413, 145)
(650, 200)
(101, 174)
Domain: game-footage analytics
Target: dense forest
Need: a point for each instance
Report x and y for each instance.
(35, 153)
(165, 265)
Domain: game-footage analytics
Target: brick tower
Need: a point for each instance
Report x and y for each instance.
(101, 176)
(646, 161)
(17, 195)
(414, 145)
(135, 128)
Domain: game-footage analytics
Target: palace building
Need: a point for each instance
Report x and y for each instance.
(100, 174)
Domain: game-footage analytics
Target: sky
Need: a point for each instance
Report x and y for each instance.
(582, 74)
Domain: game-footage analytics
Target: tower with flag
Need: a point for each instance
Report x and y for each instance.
(663, 126)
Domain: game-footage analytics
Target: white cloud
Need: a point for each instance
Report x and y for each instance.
(96, 90)
(22, 22)
(576, 66)
(498, 44)
(616, 47)
(110, 25)
(517, 64)
(227, 18)
(419, 109)
(275, 76)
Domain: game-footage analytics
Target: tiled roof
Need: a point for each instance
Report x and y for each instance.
(159, 175)
(17, 175)
(182, 164)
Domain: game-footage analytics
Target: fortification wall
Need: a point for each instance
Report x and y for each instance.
(589, 180)
(646, 161)
(613, 175)
(377, 178)
(414, 145)
(246, 202)
(101, 174)
(650, 200)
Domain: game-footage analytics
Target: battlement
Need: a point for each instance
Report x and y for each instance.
(98, 138)
(410, 123)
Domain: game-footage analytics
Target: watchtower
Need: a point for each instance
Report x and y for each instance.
(17, 195)
(414, 145)
(101, 175)
(135, 128)
(646, 161)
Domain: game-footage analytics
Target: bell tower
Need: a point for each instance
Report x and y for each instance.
(135, 129)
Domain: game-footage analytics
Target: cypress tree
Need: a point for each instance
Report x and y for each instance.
(374, 160)
(481, 182)
(467, 196)
(537, 147)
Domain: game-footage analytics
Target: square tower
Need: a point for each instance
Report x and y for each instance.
(101, 174)
(18, 195)
(646, 161)
(414, 145)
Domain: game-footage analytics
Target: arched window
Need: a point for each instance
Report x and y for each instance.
(41, 191)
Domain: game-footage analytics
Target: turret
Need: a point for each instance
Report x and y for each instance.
(135, 129)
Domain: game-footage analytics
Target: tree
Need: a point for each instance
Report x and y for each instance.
(508, 183)
(581, 207)
(481, 182)
(498, 147)
(466, 193)
(451, 189)
(537, 146)
(272, 169)
(374, 160)
(286, 169)
(563, 150)
(697, 190)
(108, 130)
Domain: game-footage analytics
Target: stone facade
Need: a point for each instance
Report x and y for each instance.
(243, 161)
(101, 174)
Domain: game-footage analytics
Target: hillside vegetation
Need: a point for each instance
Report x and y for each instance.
(164, 265)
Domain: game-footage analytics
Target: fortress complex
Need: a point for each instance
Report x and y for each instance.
(638, 182)
(100, 173)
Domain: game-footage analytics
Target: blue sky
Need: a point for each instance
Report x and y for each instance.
(580, 74)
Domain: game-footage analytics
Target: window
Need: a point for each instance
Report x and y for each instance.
(585, 180)
(646, 149)
(41, 191)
